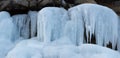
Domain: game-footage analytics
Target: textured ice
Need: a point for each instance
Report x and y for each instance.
(3, 15)
(74, 29)
(32, 15)
(59, 31)
(50, 24)
(7, 28)
(22, 24)
(98, 20)
(118, 43)
(6, 33)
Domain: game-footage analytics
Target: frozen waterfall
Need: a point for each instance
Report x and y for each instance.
(32, 15)
(118, 41)
(22, 24)
(74, 29)
(26, 24)
(50, 24)
(7, 33)
(99, 21)
(54, 32)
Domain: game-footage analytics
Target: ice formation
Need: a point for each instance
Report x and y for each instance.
(50, 23)
(98, 20)
(22, 24)
(7, 32)
(5, 47)
(118, 41)
(7, 28)
(74, 30)
(3, 15)
(59, 31)
(32, 15)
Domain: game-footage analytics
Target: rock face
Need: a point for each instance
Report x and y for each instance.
(12, 5)
(84, 1)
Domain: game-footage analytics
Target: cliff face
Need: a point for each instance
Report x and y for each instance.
(25, 5)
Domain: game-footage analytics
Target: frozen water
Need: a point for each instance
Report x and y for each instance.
(33, 20)
(4, 15)
(7, 28)
(50, 24)
(118, 43)
(6, 33)
(74, 30)
(58, 33)
(22, 24)
(98, 20)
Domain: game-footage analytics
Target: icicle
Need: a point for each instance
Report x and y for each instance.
(74, 29)
(7, 28)
(99, 20)
(50, 23)
(33, 19)
(103, 20)
(118, 41)
(22, 24)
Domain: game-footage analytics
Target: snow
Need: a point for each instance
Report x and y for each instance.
(5, 47)
(98, 20)
(93, 51)
(36, 49)
(26, 49)
(22, 24)
(33, 19)
(51, 21)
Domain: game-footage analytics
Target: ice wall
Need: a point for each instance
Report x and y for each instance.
(118, 41)
(32, 15)
(50, 24)
(74, 29)
(98, 20)
(26, 24)
(22, 24)
(7, 33)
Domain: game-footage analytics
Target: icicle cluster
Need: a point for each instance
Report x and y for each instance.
(50, 23)
(99, 21)
(26, 24)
